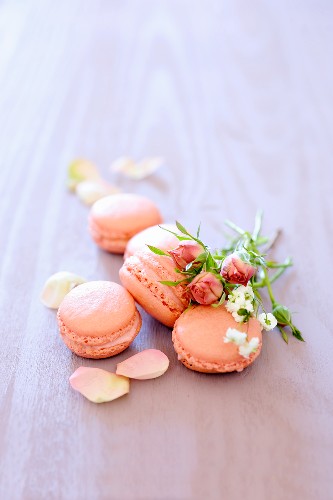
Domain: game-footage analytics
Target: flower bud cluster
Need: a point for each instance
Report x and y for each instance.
(234, 274)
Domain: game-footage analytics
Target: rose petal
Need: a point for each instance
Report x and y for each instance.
(57, 286)
(90, 191)
(81, 170)
(147, 166)
(123, 165)
(139, 170)
(147, 364)
(99, 386)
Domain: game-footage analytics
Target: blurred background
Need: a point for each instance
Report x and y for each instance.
(235, 95)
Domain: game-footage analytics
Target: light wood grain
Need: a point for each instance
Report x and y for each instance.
(237, 96)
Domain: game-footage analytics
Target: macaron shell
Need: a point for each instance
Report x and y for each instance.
(155, 236)
(97, 308)
(114, 219)
(98, 319)
(111, 242)
(141, 275)
(111, 346)
(198, 338)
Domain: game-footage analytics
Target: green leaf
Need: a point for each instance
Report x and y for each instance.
(284, 335)
(276, 265)
(181, 228)
(210, 262)
(198, 230)
(242, 312)
(183, 238)
(234, 227)
(201, 258)
(296, 333)
(157, 251)
(169, 231)
(261, 240)
(172, 283)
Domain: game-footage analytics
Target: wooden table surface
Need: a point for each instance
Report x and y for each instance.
(237, 97)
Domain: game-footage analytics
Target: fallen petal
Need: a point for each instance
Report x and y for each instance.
(81, 170)
(57, 286)
(90, 191)
(123, 165)
(147, 364)
(136, 171)
(147, 167)
(99, 386)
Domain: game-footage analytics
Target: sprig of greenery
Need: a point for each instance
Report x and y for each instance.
(251, 243)
(247, 246)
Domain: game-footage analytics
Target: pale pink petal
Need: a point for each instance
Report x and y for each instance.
(147, 364)
(81, 170)
(90, 191)
(123, 165)
(57, 286)
(147, 166)
(99, 386)
(136, 170)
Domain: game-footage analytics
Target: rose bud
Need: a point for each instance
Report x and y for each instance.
(186, 253)
(206, 288)
(235, 270)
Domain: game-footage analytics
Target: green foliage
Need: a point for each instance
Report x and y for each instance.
(247, 245)
(157, 251)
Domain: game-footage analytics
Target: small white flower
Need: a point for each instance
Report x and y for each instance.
(240, 298)
(235, 336)
(245, 292)
(231, 306)
(238, 294)
(268, 321)
(237, 317)
(249, 347)
(248, 305)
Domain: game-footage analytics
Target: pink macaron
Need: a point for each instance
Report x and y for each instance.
(98, 319)
(141, 275)
(157, 236)
(199, 340)
(114, 219)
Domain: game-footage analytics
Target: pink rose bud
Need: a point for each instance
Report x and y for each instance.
(206, 288)
(235, 270)
(186, 253)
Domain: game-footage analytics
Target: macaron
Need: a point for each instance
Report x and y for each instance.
(141, 275)
(198, 338)
(155, 236)
(98, 319)
(114, 219)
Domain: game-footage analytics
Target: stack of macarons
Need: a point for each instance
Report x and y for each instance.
(100, 319)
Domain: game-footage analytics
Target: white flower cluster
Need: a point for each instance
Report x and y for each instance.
(268, 321)
(240, 338)
(235, 336)
(240, 303)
